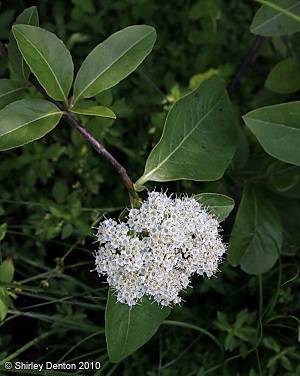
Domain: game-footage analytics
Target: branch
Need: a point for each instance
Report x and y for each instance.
(134, 198)
(247, 61)
(100, 149)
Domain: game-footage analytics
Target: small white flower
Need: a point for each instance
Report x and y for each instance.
(158, 249)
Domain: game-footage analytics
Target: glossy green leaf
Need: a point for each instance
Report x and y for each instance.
(284, 78)
(10, 91)
(93, 111)
(277, 128)
(199, 137)
(127, 329)
(218, 205)
(26, 120)
(256, 237)
(48, 58)
(269, 22)
(7, 270)
(113, 60)
(28, 17)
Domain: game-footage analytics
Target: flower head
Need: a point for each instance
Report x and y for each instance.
(158, 249)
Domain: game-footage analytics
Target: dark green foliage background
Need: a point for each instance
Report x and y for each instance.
(54, 190)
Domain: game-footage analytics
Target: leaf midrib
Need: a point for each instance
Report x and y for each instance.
(11, 92)
(43, 58)
(101, 74)
(127, 334)
(278, 125)
(151, 172)
(276, 16)
(28, 123)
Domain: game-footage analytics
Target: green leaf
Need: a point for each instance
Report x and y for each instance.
(58, 211)
(10, 91)
(113, 60)
(67, 230)
(5, 302)
(284, 78)
(269, 22)
(199, 137)
(242, 151)
(127, 329)
(277, 128)
(93, 111)
(75, 204)
(205, 8)
(286, 363)
(219, 205)
(283, 178)
(241, 318)
(28, 17)
(256, 238)
(26, 120)
(7, 270)
(48, 58)
(3, 229)
(60, 191)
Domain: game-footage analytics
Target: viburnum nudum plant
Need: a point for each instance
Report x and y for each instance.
(150, 257)
(151, 252)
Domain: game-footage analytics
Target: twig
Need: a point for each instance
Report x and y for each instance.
(134, 198)
(100, 149)
(247, 61)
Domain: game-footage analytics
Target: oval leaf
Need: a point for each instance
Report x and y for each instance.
(127, 329)
(28, 17)
(284, 78)
(93, 111)
(10, 91)
(277, 128)
(26, 120)
(218, 205)
(7, 270)
(48, 58)
(269, 22)
(113, 60)
(257, 233)
(199, 137)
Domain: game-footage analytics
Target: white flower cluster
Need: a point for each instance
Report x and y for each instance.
(158, 249)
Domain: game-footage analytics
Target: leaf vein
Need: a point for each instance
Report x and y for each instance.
(43, 58)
